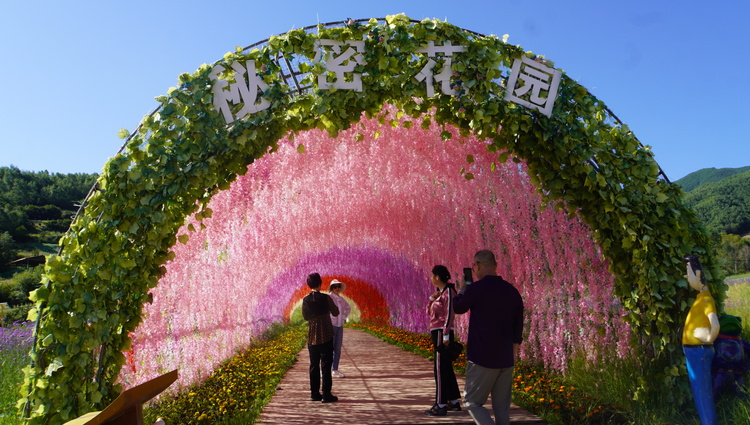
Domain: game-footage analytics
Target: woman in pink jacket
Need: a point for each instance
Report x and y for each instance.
(440, 310)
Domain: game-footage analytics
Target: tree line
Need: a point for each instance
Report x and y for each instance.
(721, 199)
(37, 206)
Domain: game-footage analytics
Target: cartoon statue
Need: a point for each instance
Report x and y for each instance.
(700, 330)
(732, 358)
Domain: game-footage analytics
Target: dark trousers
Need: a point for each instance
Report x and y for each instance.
(321, 359)
(446, 386)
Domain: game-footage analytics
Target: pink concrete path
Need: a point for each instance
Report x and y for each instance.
(383, 385)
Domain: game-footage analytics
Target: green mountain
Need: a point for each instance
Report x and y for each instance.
(708, 175)
(722, 204)
(36, 207)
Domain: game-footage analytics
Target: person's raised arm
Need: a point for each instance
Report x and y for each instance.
(462, 300)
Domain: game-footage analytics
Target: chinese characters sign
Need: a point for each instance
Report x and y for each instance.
(537, 79)
(341, 63)
(530, 83)
(245, 90)
(426, 74)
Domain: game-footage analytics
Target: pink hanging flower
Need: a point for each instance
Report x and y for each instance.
(380, 212)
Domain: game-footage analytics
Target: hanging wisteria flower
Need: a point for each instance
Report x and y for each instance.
(376, 207)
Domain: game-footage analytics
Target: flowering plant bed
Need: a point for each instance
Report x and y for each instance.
(236, 391)
(15, 342)
(544, 394)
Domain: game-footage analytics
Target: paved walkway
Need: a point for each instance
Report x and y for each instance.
(383, 385)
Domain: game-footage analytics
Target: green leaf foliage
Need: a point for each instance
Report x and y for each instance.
(183, 154)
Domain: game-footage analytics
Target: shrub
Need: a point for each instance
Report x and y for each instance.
(7, 249)
(60, 225)
(47, 237)
(29, 279)
(12, 294)
(17, 314)
(46, 212)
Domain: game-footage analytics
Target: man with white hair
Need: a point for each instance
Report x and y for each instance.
(495, 335)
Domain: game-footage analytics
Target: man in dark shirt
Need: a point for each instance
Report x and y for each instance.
(495, 335)
(317, 309)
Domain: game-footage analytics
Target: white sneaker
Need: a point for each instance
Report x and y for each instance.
(337, 374)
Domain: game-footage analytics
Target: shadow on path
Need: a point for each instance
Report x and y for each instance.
(384, 385)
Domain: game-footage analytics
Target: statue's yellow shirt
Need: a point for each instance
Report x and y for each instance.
(698, 317)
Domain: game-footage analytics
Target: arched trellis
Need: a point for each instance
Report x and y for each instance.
(184, 152)
(384, 210)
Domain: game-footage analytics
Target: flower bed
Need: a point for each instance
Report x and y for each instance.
(236, 391)
(15, 343)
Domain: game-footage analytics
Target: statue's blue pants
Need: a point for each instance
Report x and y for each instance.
(699, 358)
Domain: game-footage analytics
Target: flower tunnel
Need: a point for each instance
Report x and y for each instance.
(199, 234)
(376, 213)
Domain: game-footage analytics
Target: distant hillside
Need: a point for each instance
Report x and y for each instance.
(723, 205)
(707, 175)
(37, 206)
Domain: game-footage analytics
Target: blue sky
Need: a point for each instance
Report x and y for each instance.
(76, 72)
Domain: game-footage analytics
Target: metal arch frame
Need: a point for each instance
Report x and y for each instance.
(291, 75)
(294, 73)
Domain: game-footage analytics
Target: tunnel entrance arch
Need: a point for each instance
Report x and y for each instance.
(224, 116)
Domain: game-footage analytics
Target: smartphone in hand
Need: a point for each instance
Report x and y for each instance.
(468, 277)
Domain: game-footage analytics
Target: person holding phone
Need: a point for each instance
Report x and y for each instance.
(440, 310)
(495, 335)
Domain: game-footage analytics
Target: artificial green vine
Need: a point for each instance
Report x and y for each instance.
(93, 292)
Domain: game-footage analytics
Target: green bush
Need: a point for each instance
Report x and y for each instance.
(46, 212)
(6, 290)
(59, 225)
(48, 237)
(22, 234)
(15, 291)
(17, 314)
(8, 252)
(614, 381)
(12, 293)
(29, 279)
